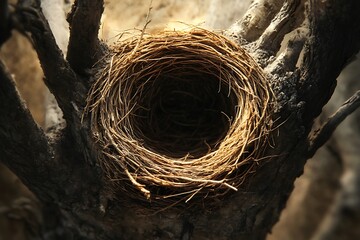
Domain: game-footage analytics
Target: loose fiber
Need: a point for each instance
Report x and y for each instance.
(179, 117)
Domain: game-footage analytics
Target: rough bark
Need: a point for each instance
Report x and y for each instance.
(84, 20)
(60, 166)
(340, 221)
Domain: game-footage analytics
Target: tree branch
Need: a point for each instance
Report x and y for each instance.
(59, 77)
(24, 147)
(342, 220)
(250, 212)
(5, 28)
(257, 18)
(84, 46)
(264, 26)
(289, 17)
(322, 135)
(334, 39)
(287, 59)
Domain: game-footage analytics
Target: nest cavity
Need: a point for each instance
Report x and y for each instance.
(179, 116)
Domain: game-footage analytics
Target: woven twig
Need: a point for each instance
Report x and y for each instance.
(178, 116)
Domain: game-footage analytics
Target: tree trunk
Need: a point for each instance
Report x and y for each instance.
(316, 192)
(61, 165)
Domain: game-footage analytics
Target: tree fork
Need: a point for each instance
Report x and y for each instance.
(63, 168)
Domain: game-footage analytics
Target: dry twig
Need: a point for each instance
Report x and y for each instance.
(179, 114)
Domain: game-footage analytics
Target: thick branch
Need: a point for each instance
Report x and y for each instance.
(289, 16)
(335, 38)
(249, 213)
(24, 147)
(343, 219)
(270, 22)
(84, 46)
(255, 20)
(287, 59)
(59, 77)
(324, 133)
(5, 29)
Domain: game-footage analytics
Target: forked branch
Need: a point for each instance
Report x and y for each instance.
(59, 77)
(252, 211)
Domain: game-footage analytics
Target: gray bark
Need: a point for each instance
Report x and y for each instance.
(61, 168)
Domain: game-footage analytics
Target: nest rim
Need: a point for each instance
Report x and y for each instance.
(148, 175)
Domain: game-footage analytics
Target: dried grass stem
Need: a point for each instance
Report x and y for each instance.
(179, 115)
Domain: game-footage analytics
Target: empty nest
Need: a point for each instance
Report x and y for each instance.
(179, 116)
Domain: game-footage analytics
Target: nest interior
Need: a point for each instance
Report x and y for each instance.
(179, 116)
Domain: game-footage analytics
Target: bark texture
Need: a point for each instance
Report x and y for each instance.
(302, 46)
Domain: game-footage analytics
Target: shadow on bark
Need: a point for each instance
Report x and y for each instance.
(61, 166)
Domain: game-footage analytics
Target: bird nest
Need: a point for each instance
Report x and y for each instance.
(179, 116)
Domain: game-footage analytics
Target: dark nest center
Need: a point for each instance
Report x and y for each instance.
(187, 112)
(179, 116)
